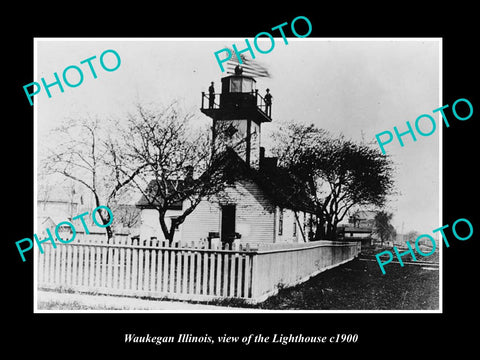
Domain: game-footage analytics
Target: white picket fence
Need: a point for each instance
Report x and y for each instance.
(187, 272)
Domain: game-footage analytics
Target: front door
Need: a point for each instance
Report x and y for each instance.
(228, 223)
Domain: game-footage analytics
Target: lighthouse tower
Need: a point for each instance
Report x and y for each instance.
(238, 113)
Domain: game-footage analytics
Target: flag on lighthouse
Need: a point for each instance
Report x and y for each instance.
(249, 66)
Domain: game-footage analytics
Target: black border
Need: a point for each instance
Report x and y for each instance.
(60, 335)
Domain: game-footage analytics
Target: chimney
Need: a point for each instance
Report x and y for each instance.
(267, 163)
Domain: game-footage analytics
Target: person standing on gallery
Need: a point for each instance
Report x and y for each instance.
(268, 103)
(211, 96)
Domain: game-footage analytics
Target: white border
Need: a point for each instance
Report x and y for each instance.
(246, 310)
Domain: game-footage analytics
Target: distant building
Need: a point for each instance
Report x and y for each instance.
(363, 219)
(56, 204)
(350, 233)
(65, 203)
(360, 227)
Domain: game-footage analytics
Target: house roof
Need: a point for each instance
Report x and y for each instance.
(278, 184)
(174, 188)
(365, 214)
(355, 229)
(284, 188)
(153, 189)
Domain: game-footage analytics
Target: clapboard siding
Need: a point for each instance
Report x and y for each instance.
(255, 213)
(255, 216)
(291, 226)
(204, 219)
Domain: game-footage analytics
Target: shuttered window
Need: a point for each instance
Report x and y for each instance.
(280, 222)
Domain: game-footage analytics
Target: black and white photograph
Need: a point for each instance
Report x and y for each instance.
(244, 178)
(176, 186)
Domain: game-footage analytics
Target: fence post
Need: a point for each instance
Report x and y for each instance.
(84, 266)
(121, 284)
(134, 265)
(255, 279)
(172, 267)
(191, 276)
(218, 291)
(160, 272)
(232, 261)
(146, 265)
(68, 264)
(211, 279)
(128, 267)
(198, 272)
(225, 275)
(239, 278)
(205, 273)
(179, 279)
(153, 273)
(109, 264)
(56, 255)
(75, 264)
(165, 269)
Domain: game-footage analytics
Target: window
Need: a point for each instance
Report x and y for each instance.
(235, 85)
(241, 85)
(247, 85)
(231, 130)
(280, 222)
(294, 228)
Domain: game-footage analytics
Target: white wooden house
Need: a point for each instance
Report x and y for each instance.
(262, 204)
(265, 204)
(254, 213)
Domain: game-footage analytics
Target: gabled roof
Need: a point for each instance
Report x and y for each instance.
(153, 189)
(355, 229)
(365, 214)
(280, 186)
(284, 188)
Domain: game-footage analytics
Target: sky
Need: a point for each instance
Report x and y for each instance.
(354, 87)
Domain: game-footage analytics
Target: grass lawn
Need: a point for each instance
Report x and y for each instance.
(357, 285)
(75, 305)
(360, 285)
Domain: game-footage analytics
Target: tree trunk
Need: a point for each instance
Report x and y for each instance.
(109, 234)
(171, 235)
(167, 234)
(334, 231)
(105, 217)
(320, 230)
(320, 225)
(331, 230)
(300, 226)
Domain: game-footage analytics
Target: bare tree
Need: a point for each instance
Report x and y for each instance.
(88, 154)
(338, 173)
(180, 166)
(127, 215)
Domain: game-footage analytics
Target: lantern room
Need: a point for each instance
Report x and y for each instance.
(239, 99)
